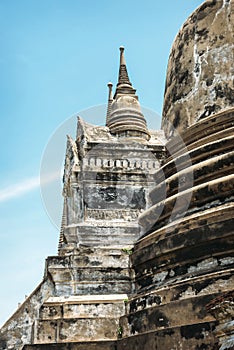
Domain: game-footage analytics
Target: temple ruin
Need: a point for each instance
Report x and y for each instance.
(145, 258)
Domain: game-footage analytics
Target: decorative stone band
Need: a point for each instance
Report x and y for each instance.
(117, 214)
(87, 299)
(119, 164)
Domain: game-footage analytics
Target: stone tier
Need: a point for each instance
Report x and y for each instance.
(105, 233)
(178, 310)
(187, 248)
(79, 318)
(207, 130)
(187, 288)
(188, 337)
(91, 271)
(175, 316)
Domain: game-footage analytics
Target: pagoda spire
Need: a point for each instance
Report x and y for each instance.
(124, 115)
(124, 86)
(110, 100)
(123, 73)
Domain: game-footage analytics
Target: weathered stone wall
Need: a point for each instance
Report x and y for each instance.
(17, 331)
(200, 71)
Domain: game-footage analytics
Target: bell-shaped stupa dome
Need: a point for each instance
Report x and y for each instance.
(200, 72)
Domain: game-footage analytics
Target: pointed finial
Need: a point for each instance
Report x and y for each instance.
(122, 59)
(110, 99)
(110, 85)
(124, 85)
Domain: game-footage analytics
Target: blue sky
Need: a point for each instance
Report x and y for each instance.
(56, 59)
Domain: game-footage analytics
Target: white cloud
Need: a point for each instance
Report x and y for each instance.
(19, 189)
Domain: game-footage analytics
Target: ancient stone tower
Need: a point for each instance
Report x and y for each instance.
(145, 256)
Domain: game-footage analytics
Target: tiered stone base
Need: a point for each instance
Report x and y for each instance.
(91, 271)
(80, 300)
(186, 256)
